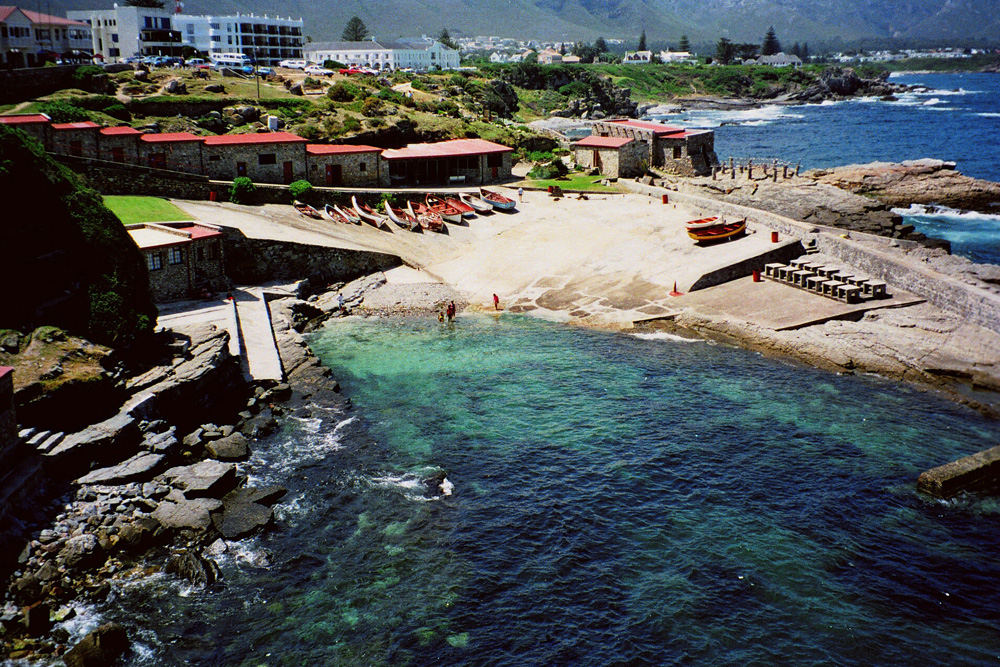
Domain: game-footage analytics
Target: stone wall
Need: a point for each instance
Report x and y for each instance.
(357, 170)
(127, 144)
(254, 261)
(183, 156)
(263, 163)
(17, 85)
(8, 419)
(79, 142)
(168, 107)
(864, 252)
(112, 178)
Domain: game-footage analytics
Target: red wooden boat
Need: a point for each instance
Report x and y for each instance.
(448, 212)
(496, 199)
(307, 210)
(467, 210)
(719, 231)
(703, 222)
(426, 218)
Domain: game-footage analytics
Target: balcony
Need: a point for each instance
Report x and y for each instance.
(160, 36)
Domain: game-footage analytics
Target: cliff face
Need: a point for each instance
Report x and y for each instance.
(65, 259)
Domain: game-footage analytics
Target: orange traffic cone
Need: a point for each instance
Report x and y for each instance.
(675, 292)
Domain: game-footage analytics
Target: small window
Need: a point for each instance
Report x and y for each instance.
(154, 261)
(677, 152)
(213, 250)
(267, 158)
(176, 255)
(200, 254)
(214, 158)
(362, 167)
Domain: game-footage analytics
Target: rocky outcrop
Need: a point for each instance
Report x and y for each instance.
(837, 83)
(100, 648)
(927, 181)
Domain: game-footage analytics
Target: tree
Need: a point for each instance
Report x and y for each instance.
(158, 4)
(601, 45)
(805, 52)
(796, 50)
(562, 48)
(771, 44)
(355, 30)
(642, 41)
(585, 52)
(745, 51)
(725, 51)
(446, 39)
(685, 45)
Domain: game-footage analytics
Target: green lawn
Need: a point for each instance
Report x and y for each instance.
(131, 209)
(575, 182)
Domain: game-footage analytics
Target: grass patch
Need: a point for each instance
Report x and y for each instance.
(575, 182)
(132, 209)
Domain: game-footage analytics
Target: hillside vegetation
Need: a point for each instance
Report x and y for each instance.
(66, 260)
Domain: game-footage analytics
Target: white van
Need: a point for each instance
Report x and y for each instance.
(231, 60)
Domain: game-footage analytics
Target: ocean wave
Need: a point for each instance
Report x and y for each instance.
(988, 114)
(423, 484)
(945, 213)
(662, 335)
(710, 118)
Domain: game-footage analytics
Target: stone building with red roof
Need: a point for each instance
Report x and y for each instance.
(454, 162)
(614, 157)
(672, 149)
(268, 157)
(334, 165)
(77, 139)
(118, 144)
(33, 124)
(176, 151)
(181, 257)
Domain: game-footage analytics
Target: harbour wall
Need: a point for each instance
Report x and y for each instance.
(866, 252)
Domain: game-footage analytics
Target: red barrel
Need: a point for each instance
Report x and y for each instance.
(666, 199)
(756, 275)
(774, 237)
(550, 189)
(212, 196)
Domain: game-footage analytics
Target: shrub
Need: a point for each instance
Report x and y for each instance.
(342, 92)
(118, 111)
(372, 107)
(308, 131)
(84, 75)
(539, 156)
(554, 169)
(298, 188)
(574, 89)
(333, 64)
(310, 82)
(241, 191)
(447, 108)
(351, 124)
(63, 112)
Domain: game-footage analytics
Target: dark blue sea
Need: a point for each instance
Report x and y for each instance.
(510, 492)
(956, 117)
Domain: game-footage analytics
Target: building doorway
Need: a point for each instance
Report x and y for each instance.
(333, 174)
(288, 172)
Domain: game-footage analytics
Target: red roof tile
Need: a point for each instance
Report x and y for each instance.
(603, 142)
(6, 11)
(657, 128)
(46, 19)
(453, 148)
(6, 369)
(86, 125)
(164, 137)
(261, 138)
(24, 118)
(123, 129)
(337, 149)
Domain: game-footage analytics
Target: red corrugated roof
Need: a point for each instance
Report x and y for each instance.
(337, 149)
(261, 138)
(6, 369)
(47, 19)
(194, 229)
(124, 129)
(85, 125)
(657, 128)
(603, 142)
(164, 137)
(24, 118)
(453, 148)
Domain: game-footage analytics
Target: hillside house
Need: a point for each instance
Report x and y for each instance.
(777, 60)
(638, 57)
(334, 165)
(30, 39)
(675, 150)
(268, 157)
(77, 139)
(419, 54)
(614, 157)
(677, 58)
(454, 162)
(35, 125)
(118, 144)
(176, 151)
(549, 56)
(182, 257)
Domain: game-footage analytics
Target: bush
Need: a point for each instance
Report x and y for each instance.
(298, 188)
(574, 89)
(554, 169)
(241, 191)
(84, 76)
(342, 92)
(333, 64)
(351, 124)
(118, 111)
(308, 131)
(539, 156)
(63, 112)
(372, 107)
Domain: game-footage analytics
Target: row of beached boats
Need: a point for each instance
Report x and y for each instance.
(430, 215)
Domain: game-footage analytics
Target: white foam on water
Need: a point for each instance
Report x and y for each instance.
(945, 213)
(988, 114)
(245, 553)
(447, 487)
(663, 336)
(716, 118)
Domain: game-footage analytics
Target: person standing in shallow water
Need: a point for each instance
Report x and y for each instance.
(496, 302)
(451, 311)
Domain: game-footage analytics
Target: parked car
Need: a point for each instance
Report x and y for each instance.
(265, 71)
(195, 62)
(293, 64)
(318, 70)
(352, 70)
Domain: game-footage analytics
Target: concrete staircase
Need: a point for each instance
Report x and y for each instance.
(41, 441)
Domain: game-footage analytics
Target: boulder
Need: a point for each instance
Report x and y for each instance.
(139, 534)
(104, 438)
(81, 551)
(230, 448)
(161, 443)
(175, 87)
(36, 619)
(141, 75)
(205, 479)
(239, 520)
(265, 495)
(215, 88)
(260, 426)
(187, 514)
(139, 467)
(199, 571)
(100, 648)
(296, 89)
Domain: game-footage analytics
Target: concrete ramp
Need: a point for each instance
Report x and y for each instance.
(260, 359)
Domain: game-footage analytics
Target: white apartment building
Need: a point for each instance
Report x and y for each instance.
(420, 54)
(29, 39)
(130, 31)
(266, 39)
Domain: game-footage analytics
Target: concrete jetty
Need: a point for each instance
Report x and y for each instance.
(978, 472)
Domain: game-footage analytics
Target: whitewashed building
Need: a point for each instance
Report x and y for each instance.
(130, 31)
(420, 54)
(677, 57)
(28, 38)
(638, 58)
(778, 60)
(266, 39)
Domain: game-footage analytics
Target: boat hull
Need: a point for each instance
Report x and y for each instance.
(718, 232)
(497, 200)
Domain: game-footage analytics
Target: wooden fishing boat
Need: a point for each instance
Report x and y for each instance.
(332, 213)
(718, 232)
(348, 214)
(480, 205)
(447, 212)
(307, 210)
(704, 222)
(454, 202)
(496, 199)
(426, 218)
(369, 215)
(402, 218)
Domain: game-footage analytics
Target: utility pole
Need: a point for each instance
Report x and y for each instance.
(256, 71)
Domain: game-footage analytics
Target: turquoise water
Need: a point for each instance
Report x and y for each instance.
(614, 501)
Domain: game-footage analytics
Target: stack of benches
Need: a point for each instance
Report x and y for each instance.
(828, 281)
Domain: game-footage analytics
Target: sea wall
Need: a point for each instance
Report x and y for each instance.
(262, 260)
(113, 178)
(869, 253)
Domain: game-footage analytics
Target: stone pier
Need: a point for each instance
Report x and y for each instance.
(978, 472)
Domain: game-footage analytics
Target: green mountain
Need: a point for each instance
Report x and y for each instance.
(937, 21)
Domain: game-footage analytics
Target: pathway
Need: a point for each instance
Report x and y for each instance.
(260, 358)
